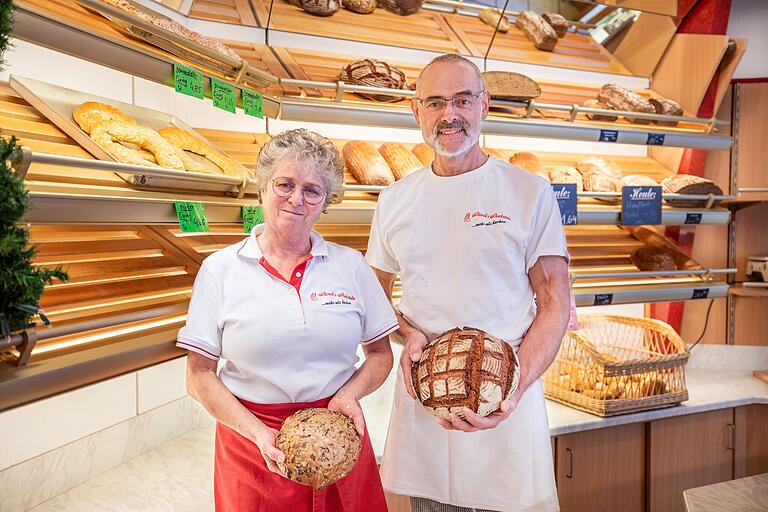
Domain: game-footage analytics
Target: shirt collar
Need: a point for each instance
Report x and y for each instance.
(250, 246)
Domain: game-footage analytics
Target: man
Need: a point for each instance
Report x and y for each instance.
(473, 238)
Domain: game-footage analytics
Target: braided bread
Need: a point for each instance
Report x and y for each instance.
(109, 134)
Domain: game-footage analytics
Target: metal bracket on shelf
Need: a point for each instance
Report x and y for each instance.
(28, 342)
(21, 165)
(710, 201)
(530, 109)
(339, 91)
(242, 187)
(241, 71)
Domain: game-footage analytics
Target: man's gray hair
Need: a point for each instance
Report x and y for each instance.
(452, 58)
(306, 148)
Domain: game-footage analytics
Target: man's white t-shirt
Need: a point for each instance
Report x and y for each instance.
(463, 246)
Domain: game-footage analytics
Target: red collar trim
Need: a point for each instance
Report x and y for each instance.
(296, 276)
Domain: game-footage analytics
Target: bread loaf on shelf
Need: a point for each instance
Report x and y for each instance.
(320, 7)
(652, 258)
(689, 184)
(401, 7)
(210, 161)
(668, 108)
(400, 160)
(91, 113)
(374, 73)
(538, 31)
(621, 98)
(491, 17)
(424, 153)
(366, 164)
(557, 22)
(599, 117)
(529, 162)
(359, 6)
(566, 174)
(506, 85)
(637, 180)
(598, 165)
(599, 182)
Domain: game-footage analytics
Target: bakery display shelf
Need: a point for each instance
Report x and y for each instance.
(439, 32)
(396, 116)
(473, 9)
(749, 289)
(68, 27)
(602, 295)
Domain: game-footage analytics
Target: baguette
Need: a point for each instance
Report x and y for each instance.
(401, 161)
(538, 31)
(366, 164)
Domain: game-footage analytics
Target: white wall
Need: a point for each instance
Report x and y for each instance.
(749, 20)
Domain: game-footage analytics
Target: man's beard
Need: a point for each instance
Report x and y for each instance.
(470, 138)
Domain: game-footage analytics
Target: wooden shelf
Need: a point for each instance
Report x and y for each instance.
(736, 290)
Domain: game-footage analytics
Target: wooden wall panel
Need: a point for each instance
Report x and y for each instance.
(645, 43)
(227, 11)
(753, 150)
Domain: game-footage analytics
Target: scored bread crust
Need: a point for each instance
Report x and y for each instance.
(91, 113)
(185, 141)
(109, 134)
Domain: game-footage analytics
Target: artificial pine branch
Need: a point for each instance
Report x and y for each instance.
(21, 282)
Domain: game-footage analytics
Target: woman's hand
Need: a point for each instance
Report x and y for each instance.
(265, 442)
(414, 344)
(347, 404)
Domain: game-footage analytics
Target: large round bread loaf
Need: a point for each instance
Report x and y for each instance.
(465, 368)
(320, 446)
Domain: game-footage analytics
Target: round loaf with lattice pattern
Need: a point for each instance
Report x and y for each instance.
(465, 367)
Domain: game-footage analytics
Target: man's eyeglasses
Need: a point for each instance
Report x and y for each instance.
(284, 187)
(465, 101)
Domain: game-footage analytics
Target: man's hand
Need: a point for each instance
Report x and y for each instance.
(414, 344)
(475, 422)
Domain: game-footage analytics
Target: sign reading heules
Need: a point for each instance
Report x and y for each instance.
(640, 205)
(567, 201)
(188, 81)
(191, 216)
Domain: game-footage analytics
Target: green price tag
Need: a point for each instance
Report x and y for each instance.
(252, 215)
(253, 104)
(188, 81)
(191, 216)
(224, 95)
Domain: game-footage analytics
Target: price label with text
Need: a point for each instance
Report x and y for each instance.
(640, 205)
(252, 215)
(188, 81)
(567, 201)
(253, 103)
(224, 95)
(603, 299)
(191, 216)
(609, 136)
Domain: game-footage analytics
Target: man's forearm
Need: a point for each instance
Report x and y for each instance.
(405, 327)
(542, 341)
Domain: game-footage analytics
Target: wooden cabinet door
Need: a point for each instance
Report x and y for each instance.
(756, 449)
(602, 469)
(688, 451)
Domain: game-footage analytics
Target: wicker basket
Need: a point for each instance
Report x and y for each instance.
(615, 365)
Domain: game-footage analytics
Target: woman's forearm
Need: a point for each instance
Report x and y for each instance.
(371, 374)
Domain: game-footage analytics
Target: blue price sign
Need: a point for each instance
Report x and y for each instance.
(567, 201)
(609, 136)
(640, 206)
(693, 218)
(700, 293)
(655, 139)
(603, 299)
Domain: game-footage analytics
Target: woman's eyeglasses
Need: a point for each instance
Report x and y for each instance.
(284, 187)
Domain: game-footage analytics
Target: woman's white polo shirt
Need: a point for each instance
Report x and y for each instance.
(285, 341)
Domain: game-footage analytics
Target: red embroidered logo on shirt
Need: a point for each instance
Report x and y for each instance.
(333, 297)
(486, 219)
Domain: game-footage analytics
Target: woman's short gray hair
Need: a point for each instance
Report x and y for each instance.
(305, 147)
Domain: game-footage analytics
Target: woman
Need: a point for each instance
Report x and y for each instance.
(286, 311)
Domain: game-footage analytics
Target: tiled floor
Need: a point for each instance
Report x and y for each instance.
(176, 476)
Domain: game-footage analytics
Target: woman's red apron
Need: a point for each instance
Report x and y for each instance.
(242, 482)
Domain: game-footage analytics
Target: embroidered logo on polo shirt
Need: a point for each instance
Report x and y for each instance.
(332, 298)
(485, 219)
